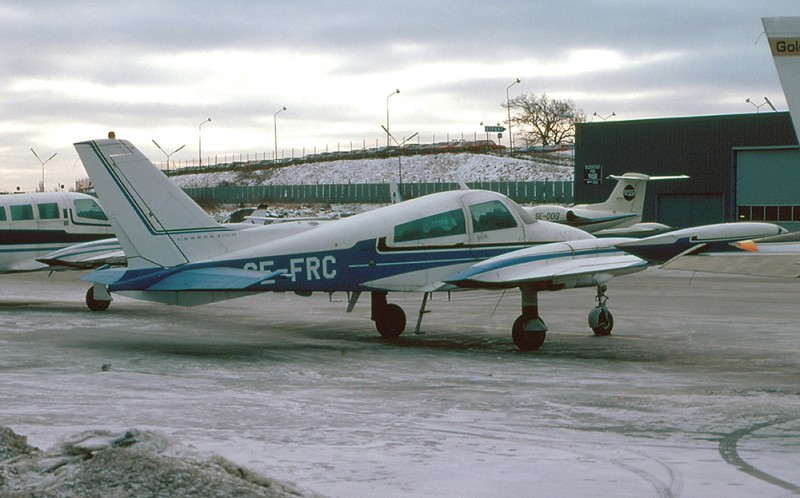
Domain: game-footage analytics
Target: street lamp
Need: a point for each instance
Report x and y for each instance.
(43, 163)
(400, 146)
(604, 118)
(387, 114)
(759, 106)
(508, 106)
(275, 124)
(168, 155)
(200, 141)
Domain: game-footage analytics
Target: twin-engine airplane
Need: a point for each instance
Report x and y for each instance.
(177, 254)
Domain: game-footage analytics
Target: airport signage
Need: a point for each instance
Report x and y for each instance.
(593, 174)
(785, 46)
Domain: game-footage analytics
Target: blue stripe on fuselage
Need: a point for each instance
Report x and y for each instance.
(334, 270)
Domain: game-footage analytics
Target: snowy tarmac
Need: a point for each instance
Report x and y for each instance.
(697, 393)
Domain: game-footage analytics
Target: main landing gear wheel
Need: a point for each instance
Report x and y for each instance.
(391, 321)
(527, 340)
(601, 321)
(95, 304)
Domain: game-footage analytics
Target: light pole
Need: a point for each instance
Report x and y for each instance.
(43, 163)
(400, 153)
(759, 106)
(275, 124)
(200, 141)
(168, 155)
(387, 115)
(604, 118)
(508, 106)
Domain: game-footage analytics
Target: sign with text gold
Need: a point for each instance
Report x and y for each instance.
(785, 46)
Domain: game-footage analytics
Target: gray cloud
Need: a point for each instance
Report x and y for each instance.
(716, 61)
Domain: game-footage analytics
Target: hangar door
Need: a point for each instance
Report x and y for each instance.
(689, 210)
(766, 186)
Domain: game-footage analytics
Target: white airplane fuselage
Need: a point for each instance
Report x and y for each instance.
(33, 225)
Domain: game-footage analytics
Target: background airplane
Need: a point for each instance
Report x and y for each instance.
(34, 225)
(618, 216)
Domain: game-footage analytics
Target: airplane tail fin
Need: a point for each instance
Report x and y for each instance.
(783, 34)
(628, 194)
(152, 218)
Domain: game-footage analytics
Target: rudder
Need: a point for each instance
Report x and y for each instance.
(150, 215)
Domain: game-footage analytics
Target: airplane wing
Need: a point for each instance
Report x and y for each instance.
(578, 263)
(757, 265)
(775, 256)
(639, 230)
(86, 256)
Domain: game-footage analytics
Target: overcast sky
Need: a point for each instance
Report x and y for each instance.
(72, 71)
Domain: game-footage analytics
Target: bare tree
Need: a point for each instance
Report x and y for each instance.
(540, 120)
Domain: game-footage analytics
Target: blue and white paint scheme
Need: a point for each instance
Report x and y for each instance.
(34, 225)
(177, 254)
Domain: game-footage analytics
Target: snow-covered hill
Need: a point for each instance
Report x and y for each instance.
(426, 168)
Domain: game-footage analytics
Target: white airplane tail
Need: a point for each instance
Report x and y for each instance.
(153, 218)
(628, 195)
(783, 34)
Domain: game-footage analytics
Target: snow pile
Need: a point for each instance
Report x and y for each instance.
(133, 463)
(425, 168)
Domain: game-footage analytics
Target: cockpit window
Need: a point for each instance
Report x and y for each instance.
(48, 211)
(88, 208)
(438, 225)
(492, 215)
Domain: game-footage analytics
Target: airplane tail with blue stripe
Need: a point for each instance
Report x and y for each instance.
(157, 224)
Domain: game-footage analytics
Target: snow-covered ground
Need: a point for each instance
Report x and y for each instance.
(695, 394)
(425, 168)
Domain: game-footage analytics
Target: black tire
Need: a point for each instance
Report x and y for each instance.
(605, 322)
(391, 322)
(523, 339)
(95, 304)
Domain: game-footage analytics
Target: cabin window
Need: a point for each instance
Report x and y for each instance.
(438, 225)
(21, 212)
(3, 213)
(492, 215)
(48, 211)
(89, 208)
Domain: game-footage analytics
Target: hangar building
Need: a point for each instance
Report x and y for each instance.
(742, 166)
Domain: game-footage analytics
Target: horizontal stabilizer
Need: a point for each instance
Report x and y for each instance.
(213, 279)
(197, 279)
(105, 276)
